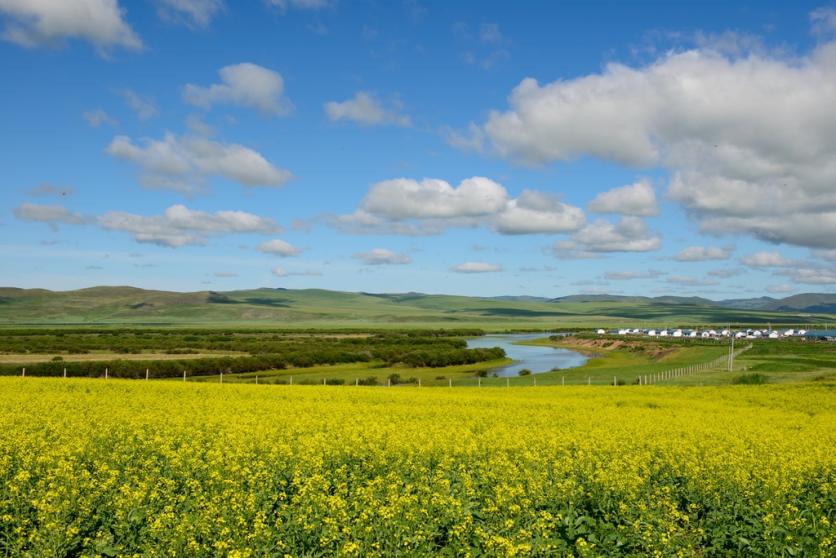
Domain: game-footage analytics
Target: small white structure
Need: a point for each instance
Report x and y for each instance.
(789, 333)
(774, 335)
(677, 333)
(725, 333)
(601, 332)
(693, 333)
(706, 335)
(664, 333)
(651, 332)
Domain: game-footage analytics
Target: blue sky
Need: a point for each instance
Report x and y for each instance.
(470, 147)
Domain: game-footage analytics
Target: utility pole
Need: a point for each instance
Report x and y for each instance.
(731, 353)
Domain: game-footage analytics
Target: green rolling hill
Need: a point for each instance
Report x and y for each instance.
(315, 308)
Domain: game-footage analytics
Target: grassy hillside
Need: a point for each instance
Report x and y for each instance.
(315, 307)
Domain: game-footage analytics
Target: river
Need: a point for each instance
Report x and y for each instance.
(535, 358)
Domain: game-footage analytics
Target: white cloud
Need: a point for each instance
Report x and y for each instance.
(52, 215)
(688, 281)
(825, 254)
(766, 259)
(727, 272)
(538, 212)
(637, 199)
(365, 110)
(300, 4)
(429, 206)
(144, 107)
(703, 253)
(33, 23)
(278, 247)
(748, 138)
(97, 117)
(783, 288)
(823, 21)
(247, 85)
(476, 267)
(810, 275)
(46, 190)
(629, 234)
(404, 198)
(191, 13)
(382, 256)
(471, 140)
(183, 163)
(631, 275)
(490, 33)
(282, 272)
(181, 226)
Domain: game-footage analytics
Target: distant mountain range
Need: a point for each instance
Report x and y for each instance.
(317, 307)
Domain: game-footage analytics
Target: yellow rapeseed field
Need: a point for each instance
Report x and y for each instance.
(134, 468)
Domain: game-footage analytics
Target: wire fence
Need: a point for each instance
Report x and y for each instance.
(394, 380)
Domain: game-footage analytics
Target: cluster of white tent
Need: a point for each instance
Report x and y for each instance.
(708, 333)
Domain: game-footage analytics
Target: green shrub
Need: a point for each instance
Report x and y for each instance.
(751, 379)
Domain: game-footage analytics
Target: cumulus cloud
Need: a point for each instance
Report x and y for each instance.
(476, 267)
(183, 163)
(538, 212)
(247, 85)
(382, 256)
(34, 23)
(181, 226)
(703, 253)
(53, 215)
(366, 110)
(429, 206)
(637, 199)
(279, 247)
(191, 13)
(97, 117)
(629, 234)
(747, 137)
(766, 259)
(404, 198)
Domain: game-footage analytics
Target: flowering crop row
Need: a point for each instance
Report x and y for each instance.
(121, 468)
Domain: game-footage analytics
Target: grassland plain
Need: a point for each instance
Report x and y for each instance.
(125, 468)
(305, 308)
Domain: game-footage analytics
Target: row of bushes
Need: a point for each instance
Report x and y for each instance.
(207, 366)
(130, 342)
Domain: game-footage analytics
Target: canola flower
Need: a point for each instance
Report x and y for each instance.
(154, 469)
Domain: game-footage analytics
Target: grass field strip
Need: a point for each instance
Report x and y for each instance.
(693, 369)
(641, 379)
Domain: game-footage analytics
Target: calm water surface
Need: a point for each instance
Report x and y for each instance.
(536, 359)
